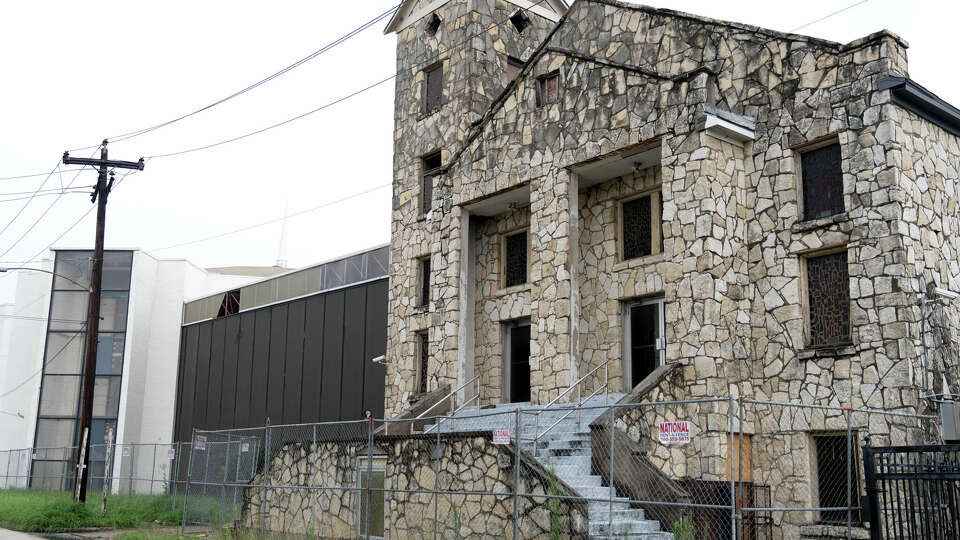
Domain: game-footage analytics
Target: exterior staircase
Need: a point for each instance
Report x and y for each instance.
(567, 451)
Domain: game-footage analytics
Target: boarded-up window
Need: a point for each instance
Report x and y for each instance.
(423, 358)
(513, 68)
(423, 278)
(431, 166)
(433, 94)
(822, 182)
(515, 259)
(828, 296)
(548, 87)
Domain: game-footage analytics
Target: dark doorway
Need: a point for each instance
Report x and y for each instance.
(644, 340)
(518, 361)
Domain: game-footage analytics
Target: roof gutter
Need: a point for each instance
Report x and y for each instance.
(913, 97)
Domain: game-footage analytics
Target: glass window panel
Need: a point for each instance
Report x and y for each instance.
(333, 274)
(354, 272)
(52, 433)
(74, 265)
(376, 498)
(116, 270)
(106, 397)
(113, 311)
(69, 310)
(64, 354)
(60, 395)
(110, 354)
(50, 475)
(98, 437)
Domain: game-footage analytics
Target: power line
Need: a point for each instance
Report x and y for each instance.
(69, 191)
(35, 175)
(48, 190)
(268, 222)
(311, 56)
(825, 17)
(32, 318)
(24, 207)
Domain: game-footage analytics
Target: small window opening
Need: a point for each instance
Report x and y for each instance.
(431, 167)
(832, 465)
(828, 299)
(433, 24)
(514, 65)
(423, 298)
(433, 94)
(548, 87)
(423, 359)
(230, 305)
(520, 21)
(822, 179)
(371, 474)
(515, 259)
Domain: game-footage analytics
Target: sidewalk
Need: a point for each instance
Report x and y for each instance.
(6, 534)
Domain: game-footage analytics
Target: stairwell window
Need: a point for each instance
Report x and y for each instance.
(640, 231)
(514, 259)
(433, 88)
(430, 167)
(828, 299)
(821, 178)
(548, 89)
(423, 281)
(423, 359)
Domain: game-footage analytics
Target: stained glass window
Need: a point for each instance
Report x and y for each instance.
(515, 263)
(637, 228)
(828, 290)
(822, 182)
(423, 352)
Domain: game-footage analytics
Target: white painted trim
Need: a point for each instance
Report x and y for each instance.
(541, 9)
(404, 18)
(727, 131)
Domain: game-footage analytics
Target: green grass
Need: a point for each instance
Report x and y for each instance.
(55, 511)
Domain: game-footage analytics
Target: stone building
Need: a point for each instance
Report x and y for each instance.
(712, 208)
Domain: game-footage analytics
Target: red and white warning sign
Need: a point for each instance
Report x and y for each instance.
(245, 447)
(200, 442)
(501, 436)
(126, 451)
(171, 453)
(674, 432)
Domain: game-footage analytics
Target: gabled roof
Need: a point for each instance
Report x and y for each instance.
(412, 11)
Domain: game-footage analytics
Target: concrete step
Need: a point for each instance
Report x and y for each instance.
(622, 527)
(601, 512)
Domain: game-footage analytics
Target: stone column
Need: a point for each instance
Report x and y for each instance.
(467, 303)
(573, 202)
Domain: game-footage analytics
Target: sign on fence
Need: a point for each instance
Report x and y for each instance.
(245, 447)
(171, 453)
(501, 436)
(126, 451)
(200, 442)
(674, 432)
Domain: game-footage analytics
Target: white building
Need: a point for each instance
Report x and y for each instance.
(42, 342)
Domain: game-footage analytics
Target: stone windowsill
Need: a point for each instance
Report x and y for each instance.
(424, 115)
(638, 262)
(523, 287)
(830, 351)
(833, 531)
(813, 224)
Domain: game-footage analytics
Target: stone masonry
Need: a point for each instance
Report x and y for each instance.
(725, 110)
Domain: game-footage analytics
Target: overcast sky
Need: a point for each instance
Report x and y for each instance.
(77, 72)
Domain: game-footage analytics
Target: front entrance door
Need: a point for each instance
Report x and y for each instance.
(517, 361)
(644, 345)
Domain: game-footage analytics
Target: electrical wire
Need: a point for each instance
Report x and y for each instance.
(67, 191)
(48, 190)
(311, 56)
(275, 220)
(24, 207)
(825, 17)
(22, 176)
(32, 318)
(45, 364)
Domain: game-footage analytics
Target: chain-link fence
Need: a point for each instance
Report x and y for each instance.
(716, 468)
(134, 469)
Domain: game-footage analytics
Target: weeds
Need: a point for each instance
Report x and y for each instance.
(48, 511)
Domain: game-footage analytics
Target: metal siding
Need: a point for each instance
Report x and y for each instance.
(244, 366)
(294, 365)
(228, 392)
(351, 390)
(278, 349)
(312, 359)
(203, 376)
(332, 357)
(186, 421)
(215, 382)
(375, 375)
(261, 364)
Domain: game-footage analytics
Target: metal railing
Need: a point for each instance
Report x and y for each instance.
(452, 396)
(537, 435)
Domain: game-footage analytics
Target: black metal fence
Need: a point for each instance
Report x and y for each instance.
(913, 491)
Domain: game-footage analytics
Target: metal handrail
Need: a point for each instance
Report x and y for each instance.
(605, 387)
(452, 396)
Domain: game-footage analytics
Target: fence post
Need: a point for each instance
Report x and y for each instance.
(846, 413)
(264, 505)
(610, 494)
(740, 475)
(6, 476)
(436, 487)
(733, 491)
(107, 469)
(186, 488)
(516, 474)
(870, 479)
(313, 492)
(133, 452)
(174, 475)
(369, 472)
(153, 469)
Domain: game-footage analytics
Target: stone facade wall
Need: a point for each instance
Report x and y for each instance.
(466, 463)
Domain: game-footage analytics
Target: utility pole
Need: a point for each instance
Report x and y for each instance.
(99, 196)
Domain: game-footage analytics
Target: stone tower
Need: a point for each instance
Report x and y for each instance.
(454, 58)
